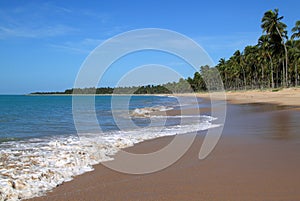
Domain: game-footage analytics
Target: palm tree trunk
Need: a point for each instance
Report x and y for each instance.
(226, 84)
(272, 78)
(244, 77)
(277, 80)
(286, 67)
(296, 74)
(262, 76)
(286, 55)
(283, 81)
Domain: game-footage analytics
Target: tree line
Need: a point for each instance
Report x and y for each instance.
(181, 86)
(272, 63)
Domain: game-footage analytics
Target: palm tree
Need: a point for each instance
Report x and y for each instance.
(264, 63)
(235, 65)
(252, 58)
(295, 50)
(294, 53)
(264, 44)
(296, 30)
(223, 71)
(275, 29)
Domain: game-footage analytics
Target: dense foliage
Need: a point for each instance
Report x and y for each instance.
(273, 62)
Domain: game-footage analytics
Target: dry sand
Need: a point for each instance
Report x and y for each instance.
(290, 96)
(257, 158)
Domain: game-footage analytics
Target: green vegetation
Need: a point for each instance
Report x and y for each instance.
(272, 63)
(175, 87)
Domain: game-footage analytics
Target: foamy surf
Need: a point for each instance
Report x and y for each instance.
(148, 111)
(31, 168)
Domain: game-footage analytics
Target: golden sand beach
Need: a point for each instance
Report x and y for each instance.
(257, 158)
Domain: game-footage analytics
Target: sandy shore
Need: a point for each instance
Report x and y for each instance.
(257, 158)
(290, 96)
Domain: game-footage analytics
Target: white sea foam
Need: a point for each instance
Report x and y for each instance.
(146, 111)
(31, 168)
(183, 116)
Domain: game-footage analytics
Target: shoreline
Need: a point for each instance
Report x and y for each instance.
(245, 165)
(254, 159)
(284, 97)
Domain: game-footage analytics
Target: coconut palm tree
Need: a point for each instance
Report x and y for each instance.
(252, 57)
(276, 30)
(235, 65)
(296, 30)
(221, 66)
(295, 48)
(266, 47)
(294, 54)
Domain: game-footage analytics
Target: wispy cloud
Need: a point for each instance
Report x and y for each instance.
(33, 21)
(103, 17)
(221, 42)
(178, 63)
(85, 46)
(50, 20)
(37, 32)
(223, 46)
(114, 30)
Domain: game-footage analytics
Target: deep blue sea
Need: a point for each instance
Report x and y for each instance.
(39, 143)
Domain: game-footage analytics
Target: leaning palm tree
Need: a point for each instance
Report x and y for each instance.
(275, 29)
(296, 30)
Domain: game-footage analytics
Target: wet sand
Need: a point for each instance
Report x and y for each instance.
(257, 158)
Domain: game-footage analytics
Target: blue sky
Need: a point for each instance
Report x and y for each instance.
(44, 43)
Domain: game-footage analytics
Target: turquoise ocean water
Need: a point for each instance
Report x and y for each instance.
(40, 147)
